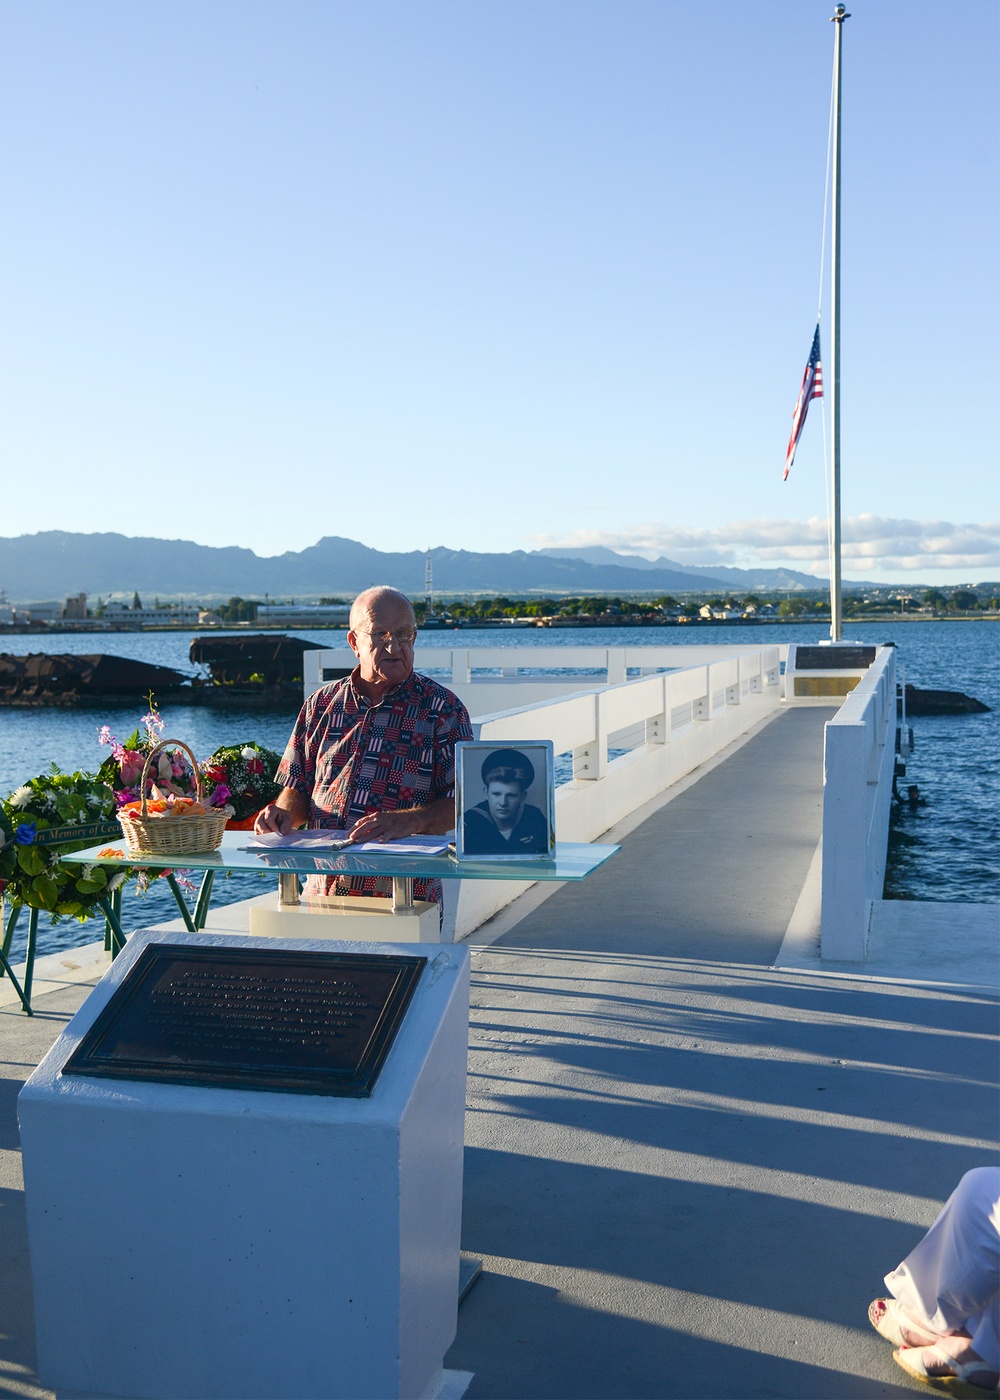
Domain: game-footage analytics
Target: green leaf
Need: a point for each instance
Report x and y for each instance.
(47, 890)
(30, 859)
(95, 882)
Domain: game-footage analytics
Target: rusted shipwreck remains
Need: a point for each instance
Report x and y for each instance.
(262, 671)
(96, 679)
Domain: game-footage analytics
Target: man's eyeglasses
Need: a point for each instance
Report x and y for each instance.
(404, 637)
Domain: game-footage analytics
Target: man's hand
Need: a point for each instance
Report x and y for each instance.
(290, 811)
(386, 826)
(433, 819)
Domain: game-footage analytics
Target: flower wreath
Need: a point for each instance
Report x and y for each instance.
(31, 872)
(243, 776)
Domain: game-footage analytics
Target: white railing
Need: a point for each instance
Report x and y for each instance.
(669, 724)
(669, 721)
(490, 679)
(858, 762)
(610, 664)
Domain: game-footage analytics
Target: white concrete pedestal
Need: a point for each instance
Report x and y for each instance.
(212, 1242)
(359, 917)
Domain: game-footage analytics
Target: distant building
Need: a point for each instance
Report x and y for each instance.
(121, 615)
(38, 612)
(75, 608)
(304, 614)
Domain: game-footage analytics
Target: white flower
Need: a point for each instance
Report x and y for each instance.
(248, 753)
(116, 880)
(86, 872)
(21, 797)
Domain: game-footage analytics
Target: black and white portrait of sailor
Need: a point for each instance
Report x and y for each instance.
(504, 822)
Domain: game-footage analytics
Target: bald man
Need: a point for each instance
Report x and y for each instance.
(373, 753)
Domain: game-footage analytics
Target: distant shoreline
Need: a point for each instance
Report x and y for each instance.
(496, 625)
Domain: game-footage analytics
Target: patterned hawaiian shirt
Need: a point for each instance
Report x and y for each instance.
(349, 757)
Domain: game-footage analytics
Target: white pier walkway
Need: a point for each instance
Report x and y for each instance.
(692, 1148)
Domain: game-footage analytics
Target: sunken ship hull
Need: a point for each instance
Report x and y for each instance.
(243, 672)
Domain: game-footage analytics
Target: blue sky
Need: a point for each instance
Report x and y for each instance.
(497, 275)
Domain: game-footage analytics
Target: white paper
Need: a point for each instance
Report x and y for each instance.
(297, 841)
(337, 839)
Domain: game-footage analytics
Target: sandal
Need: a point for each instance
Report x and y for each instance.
(959, 1383)
(892, 1321)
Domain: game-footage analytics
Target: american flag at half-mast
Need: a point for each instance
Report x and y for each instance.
(812, 388)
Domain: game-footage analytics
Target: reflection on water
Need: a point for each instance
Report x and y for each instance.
(946, 850)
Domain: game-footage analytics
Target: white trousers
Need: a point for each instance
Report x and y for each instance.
(952, 1279)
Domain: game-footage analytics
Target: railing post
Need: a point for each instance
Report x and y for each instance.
(312, 671)
(616, 666)
(658, 726)
(701, 708)
(590, 760)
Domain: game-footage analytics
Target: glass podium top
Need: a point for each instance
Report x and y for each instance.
(573, 861)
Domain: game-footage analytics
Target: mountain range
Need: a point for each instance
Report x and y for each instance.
(761, 580)
(54, 563)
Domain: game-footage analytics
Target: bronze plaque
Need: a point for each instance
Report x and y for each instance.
(825, 685)
(834, 658)
(294, 1022)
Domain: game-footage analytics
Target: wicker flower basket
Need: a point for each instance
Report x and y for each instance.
(152, 835)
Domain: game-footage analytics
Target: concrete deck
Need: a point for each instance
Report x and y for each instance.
(692, 1148)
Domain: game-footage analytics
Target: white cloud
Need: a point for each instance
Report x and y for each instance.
(871, 544)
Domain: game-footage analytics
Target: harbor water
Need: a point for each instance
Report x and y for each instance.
(946, 848)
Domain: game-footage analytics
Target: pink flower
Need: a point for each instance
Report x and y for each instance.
(153, 724)
(254, 765)
(105, 736)
(131, 767)
(219, 797)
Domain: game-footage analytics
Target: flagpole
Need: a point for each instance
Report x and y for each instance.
(836, 626)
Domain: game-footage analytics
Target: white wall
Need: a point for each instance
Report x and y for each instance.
(858, 762)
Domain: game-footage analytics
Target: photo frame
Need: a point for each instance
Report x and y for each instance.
(505, 799)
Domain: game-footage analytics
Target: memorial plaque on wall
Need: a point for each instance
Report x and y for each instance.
(833, 658)
(294, 1022)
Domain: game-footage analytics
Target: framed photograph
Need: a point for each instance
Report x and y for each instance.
(505, 800)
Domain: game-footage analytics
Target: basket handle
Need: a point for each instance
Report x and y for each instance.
(158, 748)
